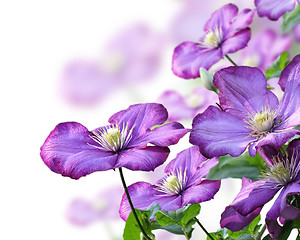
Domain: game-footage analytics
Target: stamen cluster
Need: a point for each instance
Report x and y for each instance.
(212, 39)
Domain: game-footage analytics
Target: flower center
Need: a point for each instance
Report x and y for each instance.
(262, 122)
(112, 138)
(284, 169)
(194, 101)
(212, 39)
(172, 184)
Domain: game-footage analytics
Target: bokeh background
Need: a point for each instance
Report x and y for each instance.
(83, 61)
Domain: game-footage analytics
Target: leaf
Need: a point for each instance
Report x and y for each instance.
(277, 66)
(290, 19)
(249, 232)
(246, 237)
(190, 213)
(164, 219)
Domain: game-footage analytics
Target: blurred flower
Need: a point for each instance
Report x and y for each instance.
(185, 107)
(264, 48)
(184, 184)
(251, 115)
(283, 174)
(296, 30)
(226, 32)
(73, 151)
(132, 57)
(274, 9)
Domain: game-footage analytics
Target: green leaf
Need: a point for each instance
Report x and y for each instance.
(290, 19)
(277, 66)
(245, 237)
(164, 219)
(190, 213)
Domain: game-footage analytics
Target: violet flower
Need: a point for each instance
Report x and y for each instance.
(283, 174)
(252, 115)
(226, 32)
(184, 184)
(274, 9)
(74, 151)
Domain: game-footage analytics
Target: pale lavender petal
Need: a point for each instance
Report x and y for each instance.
(67, 151)
(202, 192)
(274, 9)
(145, 159)
(253, 195)
(188, 57)
(236, 42)
(285, 74)
(296, 31)
(141, 117)
(234, 221)
(218, 133)
(243, 91)
(287, 211)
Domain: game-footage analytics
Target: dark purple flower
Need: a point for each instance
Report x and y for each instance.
(251, 116)
(274, 9)
(283, 174)
(184, 184)
(74, 151)
(226, 32)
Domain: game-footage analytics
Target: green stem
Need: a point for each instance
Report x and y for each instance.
(131, 205)
(203, 228)
(185, 234)
(230, 60)
(261, 232)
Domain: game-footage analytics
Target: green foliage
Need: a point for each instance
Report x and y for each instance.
(290, 19)
(237, 167)
(286, 230)
(277, 66)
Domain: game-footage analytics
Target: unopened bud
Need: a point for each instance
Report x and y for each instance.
(207, 80)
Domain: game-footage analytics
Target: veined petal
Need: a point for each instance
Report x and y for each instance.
(285, 74)
(236, 42)
(218, 133)
(67, 151)
(188, 57)
(145, 159)
(274, 9)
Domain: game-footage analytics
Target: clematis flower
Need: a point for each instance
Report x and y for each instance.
(185, 107)
(226, 32)
(183, 184)
(282, 175)
(252, 115)
(74, 151)
(274, 9)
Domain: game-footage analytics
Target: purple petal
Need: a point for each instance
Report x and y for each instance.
(234, 221)
(243, 91)
(238, 41)
(285, 74)
(188, 57)
(218, 133)
(163, 136)
(146, 159)
(66, 151)
(202, 192)
(268, 152)
(273, 9)
(141, 117)
(287, 211)
(253, 195)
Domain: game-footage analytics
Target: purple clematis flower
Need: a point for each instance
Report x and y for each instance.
(226, 32)
(274, 9)
(184, 184)
(283, 174)
(251, 114)
(74, 151)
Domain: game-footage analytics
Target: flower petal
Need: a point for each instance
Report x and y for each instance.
(202, 192)
(288, 211)
(234, 221)
(67, 151)
(188, 57)
(218, 133)
(273, 9)
(285, 74)
(146, 159)
(238, 41)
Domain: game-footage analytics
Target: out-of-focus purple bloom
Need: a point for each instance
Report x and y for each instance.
(74, 151)
(296, 30)
(184, 107)
(274, 9)
(84, 212)
(252, 115)
(283, 174)
(226, 32)
(264, 48)
(133, 56)
(184, 184)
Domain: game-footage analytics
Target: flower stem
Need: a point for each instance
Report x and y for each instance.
(131, 205)
(261, 232)
(185, 234)
(203, 228)
(230, 60)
